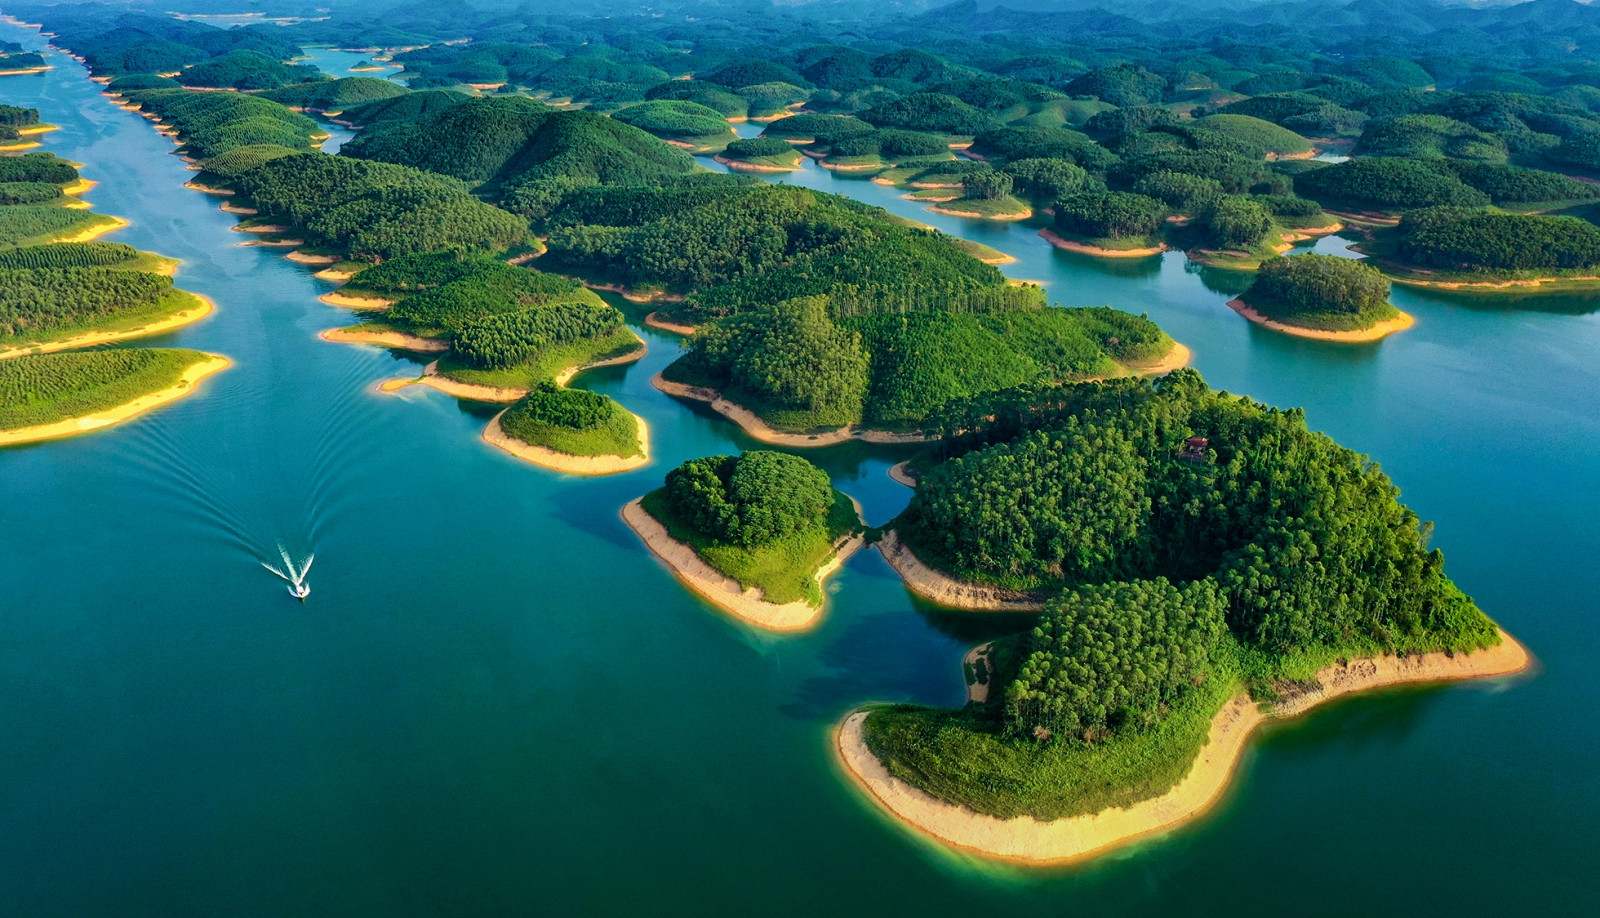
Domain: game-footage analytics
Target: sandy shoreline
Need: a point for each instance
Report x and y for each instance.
(654, 320)
(1097, 251)
(722, 591)
(1381, 330)
(900, 474)
(974, 215)
(94, 232)
(334, 298)
(744, 166)
(752, 424)
(166, 323)
(1176, 359)
(542, 456)
(391, 338)
(1073, 838)
(940, 588)
(187, 385)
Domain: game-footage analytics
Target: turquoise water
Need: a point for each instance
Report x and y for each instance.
(496, 701)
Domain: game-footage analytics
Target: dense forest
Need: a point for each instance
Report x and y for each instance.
(1321, 291)
(1176, 568)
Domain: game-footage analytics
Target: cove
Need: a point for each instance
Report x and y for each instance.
(497, 700)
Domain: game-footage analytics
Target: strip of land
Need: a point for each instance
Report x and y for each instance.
(722, 591)
(1077, 837)
(187, 385)
(753, 425)
(567, 462)
(386, 338)
(87, 339)
(942, 589)
(1381, 330)
(1097, 251)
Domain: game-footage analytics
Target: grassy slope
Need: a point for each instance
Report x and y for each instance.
(57, 396)
(547, 365)
(783, 570)
(617, 437)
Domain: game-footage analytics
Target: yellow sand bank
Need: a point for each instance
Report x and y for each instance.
(724, 592)
(567, 462)
(1381, 330)
(974, 215)
(355, 302)
(163, 324)
(1097, 251)
(1073, 838)
(73, 426)
(93, 232)
(388, 338)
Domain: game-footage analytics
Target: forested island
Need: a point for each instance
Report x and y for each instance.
(755, 534)
(1198, 561)
(1322, 296)
(1201, 562)
(60, 292)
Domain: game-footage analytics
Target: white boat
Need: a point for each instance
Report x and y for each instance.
(296, 579)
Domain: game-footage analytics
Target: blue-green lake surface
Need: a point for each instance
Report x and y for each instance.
(496, 701)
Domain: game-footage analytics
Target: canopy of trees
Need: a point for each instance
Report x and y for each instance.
(38, 302)
(377, 210)
(1109, 214)
(750, 499)
(1321, 291)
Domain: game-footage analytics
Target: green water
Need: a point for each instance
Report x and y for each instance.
(496, 701)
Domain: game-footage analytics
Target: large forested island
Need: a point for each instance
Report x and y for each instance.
(1196, 562)
(1202, 561)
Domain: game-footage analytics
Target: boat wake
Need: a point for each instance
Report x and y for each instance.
(294, 576)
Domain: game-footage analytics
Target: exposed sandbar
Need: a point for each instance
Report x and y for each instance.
(1381, 330)
(746, 166)
(1077, 837)
(187, 385)
(654, 320)
(386, 338)
(567, 462)
(87, 339)
(1086, 249)
(723, 591)
(93, 232)
(355, 302)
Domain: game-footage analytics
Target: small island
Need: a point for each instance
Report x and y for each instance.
(1108, 224)
(47, 396)
(760, 154)
(755, 534)
(1324, 297)
(1165, 637)
(571, 430)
